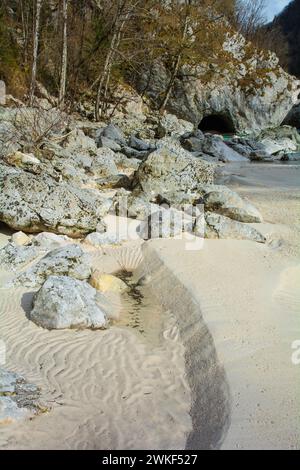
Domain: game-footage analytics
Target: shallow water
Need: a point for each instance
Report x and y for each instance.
(141, 312)
(265, 175)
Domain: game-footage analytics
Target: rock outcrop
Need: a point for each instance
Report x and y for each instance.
(249, 92)
(134, 206)
(170, 126)
(170, 169)
(249, 148)
(37, 203)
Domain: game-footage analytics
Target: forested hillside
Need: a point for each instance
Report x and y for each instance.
(84, 51)
(289, 23)
(84, 47)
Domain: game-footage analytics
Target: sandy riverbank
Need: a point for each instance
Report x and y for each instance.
(110, 389)
(214, 364)
(248, 296)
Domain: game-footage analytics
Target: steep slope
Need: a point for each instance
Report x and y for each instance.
(289, 21)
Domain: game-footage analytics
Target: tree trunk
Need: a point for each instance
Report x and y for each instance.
(114, 48)
(106, 70)
(120, 24)
(24, 32)
(170, 84)
(176, 64)
(64, 60)
(35, 50)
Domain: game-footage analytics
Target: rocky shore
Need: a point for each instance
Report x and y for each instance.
(86, 208)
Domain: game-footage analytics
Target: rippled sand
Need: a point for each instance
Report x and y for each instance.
(122, 388)
(201, 357)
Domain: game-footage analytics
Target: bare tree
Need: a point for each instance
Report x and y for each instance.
(177, 58)
(125, 9)
(64, 60)
(25, 19)
(250, 16)
(35, 50)
(189, 31)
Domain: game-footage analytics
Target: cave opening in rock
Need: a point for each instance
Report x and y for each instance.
(217, 123)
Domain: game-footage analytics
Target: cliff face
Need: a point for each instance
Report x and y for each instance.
(249, 94)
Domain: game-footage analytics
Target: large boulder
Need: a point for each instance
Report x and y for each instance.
(126, 165)
(165, 223)
(63, 302)
(168, 169)
(77, 141)
(216, 147)
(36, 203)
(222, 200)
(25, 128)
(133, 206)
(140, 145)
(133, 153)
(250, 148)
(107, 143)
(214, 198)
(218, 226)
(170, 125)
(66, 261)
(111, 132)
(80, 164)
(8, 138)
(103, 164)
(192, 141)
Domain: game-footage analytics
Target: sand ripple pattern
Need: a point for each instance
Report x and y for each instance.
(107, 389)
(288, 292)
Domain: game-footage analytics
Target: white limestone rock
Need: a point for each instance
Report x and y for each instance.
(65, 261)
(63, 302)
